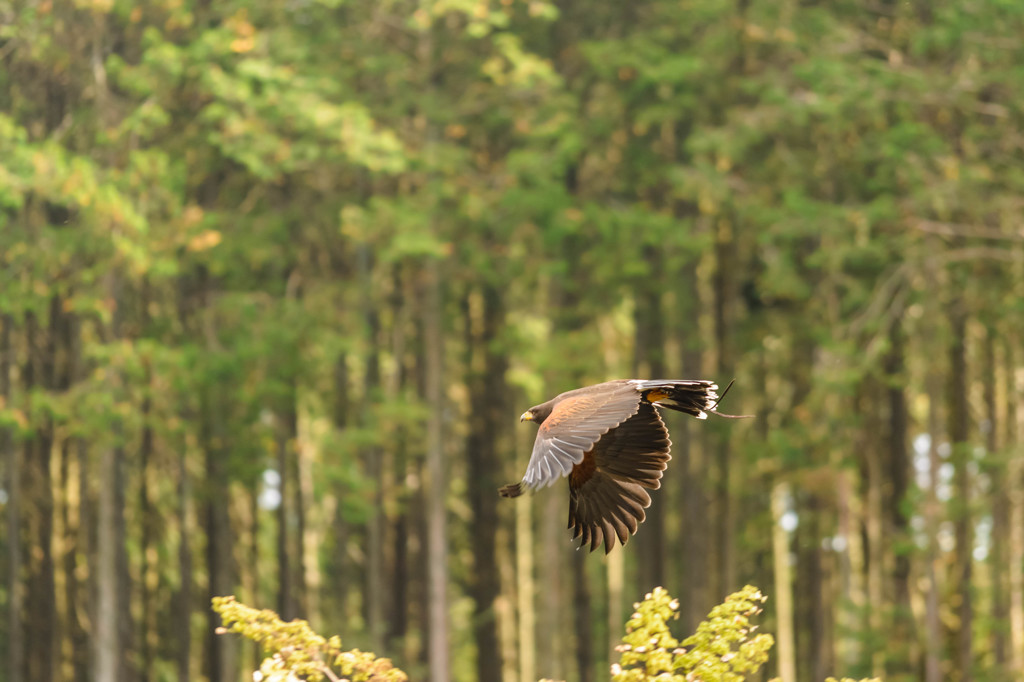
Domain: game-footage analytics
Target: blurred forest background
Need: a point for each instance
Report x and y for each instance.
(279, 277)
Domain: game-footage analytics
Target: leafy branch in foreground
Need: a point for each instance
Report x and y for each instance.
(723, 648)
(295, 652)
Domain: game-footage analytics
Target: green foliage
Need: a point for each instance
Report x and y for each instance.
(295, 651)
(723, 648)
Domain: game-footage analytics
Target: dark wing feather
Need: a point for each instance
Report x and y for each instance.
(575, 424)
(607, 495)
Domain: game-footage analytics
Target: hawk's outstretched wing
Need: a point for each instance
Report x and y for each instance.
(607, 490)
(575, 424)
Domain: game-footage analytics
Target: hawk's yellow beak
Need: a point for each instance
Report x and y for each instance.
(527, 417)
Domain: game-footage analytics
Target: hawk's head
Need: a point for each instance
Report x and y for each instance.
(538, 413)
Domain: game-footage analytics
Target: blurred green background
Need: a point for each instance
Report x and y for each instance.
(277, 279)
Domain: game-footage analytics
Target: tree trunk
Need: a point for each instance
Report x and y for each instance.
(401, 303)
(436, 483)
(808, 607)
(37, 523)
(398, 626)
(285, 581)
(851, 570)
(126, 623)
(338, 564)
(71, 637)
(374, 592)
(583, 618)
(997, 472)
(819, 623)
(1015, 549)
(933, 626)
(307, 570)
(897, 472)
(107, 639)
(109, 643)
(181, 613)
(872, 499)
(219, 650)
(291, 600)
(691, 481)
(649, 363)
(487, 389)
(957, 416)
(616, 572)
(181, 607)
(148, 636)
(786, 652)
(13, 651)
(252, 576)
(724, 286)
(552, 644)
(76, 553)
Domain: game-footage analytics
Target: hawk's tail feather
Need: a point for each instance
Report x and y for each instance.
(695, 398)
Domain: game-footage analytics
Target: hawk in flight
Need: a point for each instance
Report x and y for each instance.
(610, 441)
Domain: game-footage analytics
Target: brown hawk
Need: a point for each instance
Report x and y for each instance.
(610, 441)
